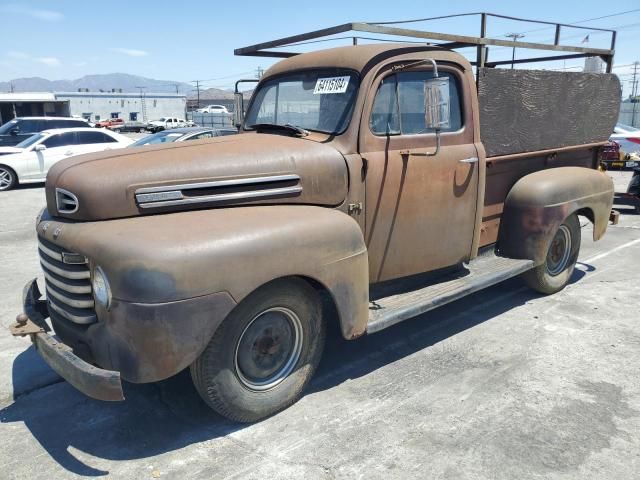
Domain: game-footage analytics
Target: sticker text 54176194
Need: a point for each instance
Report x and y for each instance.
(331, 85)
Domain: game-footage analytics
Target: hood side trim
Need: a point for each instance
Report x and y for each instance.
(172, 195)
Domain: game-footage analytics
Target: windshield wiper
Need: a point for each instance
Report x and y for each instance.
(276, 126)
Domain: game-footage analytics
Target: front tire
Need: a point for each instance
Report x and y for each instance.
(8, 178)
(264, 353)
(554, 274)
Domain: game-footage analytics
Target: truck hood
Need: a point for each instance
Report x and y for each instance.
(224, 171)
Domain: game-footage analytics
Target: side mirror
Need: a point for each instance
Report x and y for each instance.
(14, 131)
(40, 147)
(436, 101)
(238, 109)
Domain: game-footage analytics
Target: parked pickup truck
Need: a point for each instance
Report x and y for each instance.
(166, 123)
(369, 184)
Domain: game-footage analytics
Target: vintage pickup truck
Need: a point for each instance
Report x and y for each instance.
(369, 184)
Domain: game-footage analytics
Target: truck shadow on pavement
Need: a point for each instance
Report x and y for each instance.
(169, 415)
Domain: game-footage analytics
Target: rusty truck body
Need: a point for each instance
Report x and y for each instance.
(369, 184)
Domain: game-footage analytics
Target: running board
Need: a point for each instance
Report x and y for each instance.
(482, 272)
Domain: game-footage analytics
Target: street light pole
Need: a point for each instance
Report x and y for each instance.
(514, 36)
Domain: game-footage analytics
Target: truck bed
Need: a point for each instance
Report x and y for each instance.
(531, 120)
(532, 110)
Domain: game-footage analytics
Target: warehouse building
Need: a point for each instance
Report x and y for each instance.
(93, 106)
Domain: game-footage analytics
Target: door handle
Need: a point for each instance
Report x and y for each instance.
(68, 152)
(469, 160)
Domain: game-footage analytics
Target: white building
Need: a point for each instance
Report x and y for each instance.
(93, 106)
(96, 106)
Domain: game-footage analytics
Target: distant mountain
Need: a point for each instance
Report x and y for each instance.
(216, 94)
(212, 94)
(95, 83)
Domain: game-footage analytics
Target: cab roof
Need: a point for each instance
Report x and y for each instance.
(354, 57)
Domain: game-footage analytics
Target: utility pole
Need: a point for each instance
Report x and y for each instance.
(259, 72)
(197, 82)
(634, 93)
(515, 37)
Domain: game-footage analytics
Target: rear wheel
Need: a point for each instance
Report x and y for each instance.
(554, 274)
(8, 178)
(264, 353)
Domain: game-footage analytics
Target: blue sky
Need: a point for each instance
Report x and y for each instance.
(195, 39)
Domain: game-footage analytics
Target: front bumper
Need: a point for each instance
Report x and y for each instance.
(90, 380)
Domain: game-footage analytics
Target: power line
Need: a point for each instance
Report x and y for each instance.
(587, 20)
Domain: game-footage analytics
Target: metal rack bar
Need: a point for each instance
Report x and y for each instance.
(265, 49)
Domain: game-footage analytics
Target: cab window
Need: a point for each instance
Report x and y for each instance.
(60, 140)
(94, 137)
(202, 135)
(29, 126)
(399, 105)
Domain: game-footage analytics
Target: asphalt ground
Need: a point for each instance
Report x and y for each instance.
(504, 384)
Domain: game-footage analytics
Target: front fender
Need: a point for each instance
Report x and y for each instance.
(539, 202)
(173, 257)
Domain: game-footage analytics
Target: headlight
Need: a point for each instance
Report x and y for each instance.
(101, 289)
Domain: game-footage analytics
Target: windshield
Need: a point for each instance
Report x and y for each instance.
(4, 129)
(31, 140)
(160, 137)
(320, 100)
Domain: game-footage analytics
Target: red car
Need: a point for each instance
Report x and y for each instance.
(609, 154)
(109, 122)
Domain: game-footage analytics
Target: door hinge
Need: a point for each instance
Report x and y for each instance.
(355, 208)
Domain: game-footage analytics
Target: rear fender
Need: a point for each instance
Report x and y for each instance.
(539, 202)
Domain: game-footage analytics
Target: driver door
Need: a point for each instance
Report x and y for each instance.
(420, 208)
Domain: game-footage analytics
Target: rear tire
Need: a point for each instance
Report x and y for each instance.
(554, 274)
(264, 353)
(8, 178)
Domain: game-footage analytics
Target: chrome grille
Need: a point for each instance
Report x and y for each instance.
(68, 285)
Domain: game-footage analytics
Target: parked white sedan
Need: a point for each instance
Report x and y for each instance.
(30, 160)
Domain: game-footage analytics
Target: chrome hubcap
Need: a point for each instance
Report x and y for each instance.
(269, 348)
(5, 178)
(559, 251)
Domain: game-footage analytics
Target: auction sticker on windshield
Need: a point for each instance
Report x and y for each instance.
(331, 85)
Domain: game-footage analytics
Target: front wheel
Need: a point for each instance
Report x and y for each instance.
(264, 353)
(8, 178)
(554, 274)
